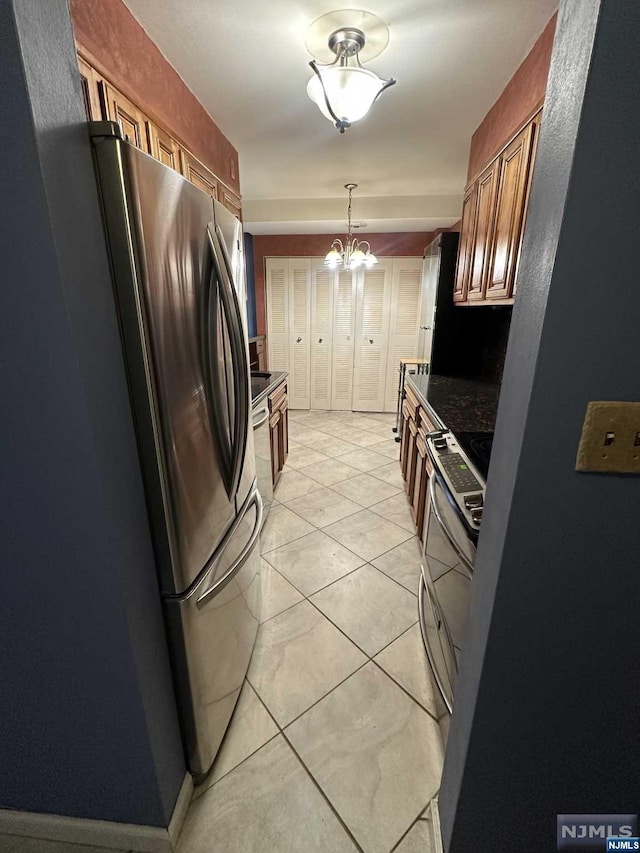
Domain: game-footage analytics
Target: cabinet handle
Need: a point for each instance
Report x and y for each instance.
(298, 340)
(370, 340)
(426, 328)
(320, 340)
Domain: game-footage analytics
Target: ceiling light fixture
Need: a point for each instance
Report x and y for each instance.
(352, 253)
(343, 90)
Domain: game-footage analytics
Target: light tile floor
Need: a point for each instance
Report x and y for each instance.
(334, 744)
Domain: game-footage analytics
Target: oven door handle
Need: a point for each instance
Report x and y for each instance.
(440, 519)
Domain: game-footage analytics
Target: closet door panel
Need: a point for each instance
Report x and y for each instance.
(404, 322)
(299, 333)
(322, 283)
(277, 275)
(344, 329)
(372, 330)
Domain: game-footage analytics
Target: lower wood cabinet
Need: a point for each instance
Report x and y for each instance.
(279, 429)
(414, 459)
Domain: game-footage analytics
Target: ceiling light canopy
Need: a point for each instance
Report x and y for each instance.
(343, 90)
(352, 253)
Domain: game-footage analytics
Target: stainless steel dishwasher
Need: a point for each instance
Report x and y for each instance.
(262, 447)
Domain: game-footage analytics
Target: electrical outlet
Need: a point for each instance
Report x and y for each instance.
(610, 440)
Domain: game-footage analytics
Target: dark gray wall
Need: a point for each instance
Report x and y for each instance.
(88, 717)
(546, 716)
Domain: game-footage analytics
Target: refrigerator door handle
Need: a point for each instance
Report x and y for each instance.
(254, 499)
(240, 364)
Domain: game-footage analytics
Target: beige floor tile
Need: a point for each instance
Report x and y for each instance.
(282, 526)
(334, 447)
(375, 753)
(267, 804)
(305, 435)
(396, 509)
(364, 459)
(313, 562)
(388, 449)
(329, 472)
(366, 534)
(417, 840)
(403, 563)
(361, 437)
(250, 728)
(277, 592)
(323, 507)
(299, 656)
(301, 456)
(390, 473)
(292, 484)
(365, 489)
(300, 414)
(370, 608)
(405, 660)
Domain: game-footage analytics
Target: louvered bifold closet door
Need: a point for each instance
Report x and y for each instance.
(277, 274)
(372, 328)
(321, 333)
(404, 322)
(344, 331)
(299, 333)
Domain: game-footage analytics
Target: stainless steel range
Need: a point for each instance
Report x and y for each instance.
(453, 517)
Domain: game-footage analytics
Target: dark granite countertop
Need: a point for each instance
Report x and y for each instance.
(461, 405)
(262, 384)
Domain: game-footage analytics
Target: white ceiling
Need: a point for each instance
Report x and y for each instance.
(246, 61)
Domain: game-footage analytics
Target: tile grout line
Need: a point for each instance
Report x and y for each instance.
(282, 732)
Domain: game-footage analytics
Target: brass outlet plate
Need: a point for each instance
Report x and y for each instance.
(610, 440)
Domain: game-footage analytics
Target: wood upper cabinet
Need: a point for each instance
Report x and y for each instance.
(198, 174)
(513, 170)
(494, 212)
(485, 207)
(467, 234)
(230, 201)
(163, 147)
(90, 90)
(131, 120)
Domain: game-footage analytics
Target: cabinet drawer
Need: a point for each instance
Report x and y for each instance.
(278, 397)
(412, 402)
(426, 424)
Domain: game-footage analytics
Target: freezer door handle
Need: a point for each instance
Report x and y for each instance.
(238, 354)
(255, 499)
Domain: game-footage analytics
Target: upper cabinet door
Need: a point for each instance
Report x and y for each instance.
(277, 272)
(90, 91)
(372, 337)
(485, 208)
(198, 174)
(120, 109)
(231, 201)
(404, 321)
(465, 250)
(299, 333)
(321, 333)
(513, 170)
(163, 147)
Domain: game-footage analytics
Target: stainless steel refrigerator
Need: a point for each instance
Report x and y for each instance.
(177, 267)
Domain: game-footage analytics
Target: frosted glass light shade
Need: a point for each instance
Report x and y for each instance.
(351, 91)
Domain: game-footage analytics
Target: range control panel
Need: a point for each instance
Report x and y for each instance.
(465, 484)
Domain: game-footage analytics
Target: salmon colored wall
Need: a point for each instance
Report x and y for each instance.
(521, 97)
(122, 51)
(407, 244)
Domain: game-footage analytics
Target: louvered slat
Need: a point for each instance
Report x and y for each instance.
(277, 313)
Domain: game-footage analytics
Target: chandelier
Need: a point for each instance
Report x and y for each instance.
(343, 90)
(352, 253)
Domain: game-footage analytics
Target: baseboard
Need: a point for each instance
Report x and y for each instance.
(98, 833)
